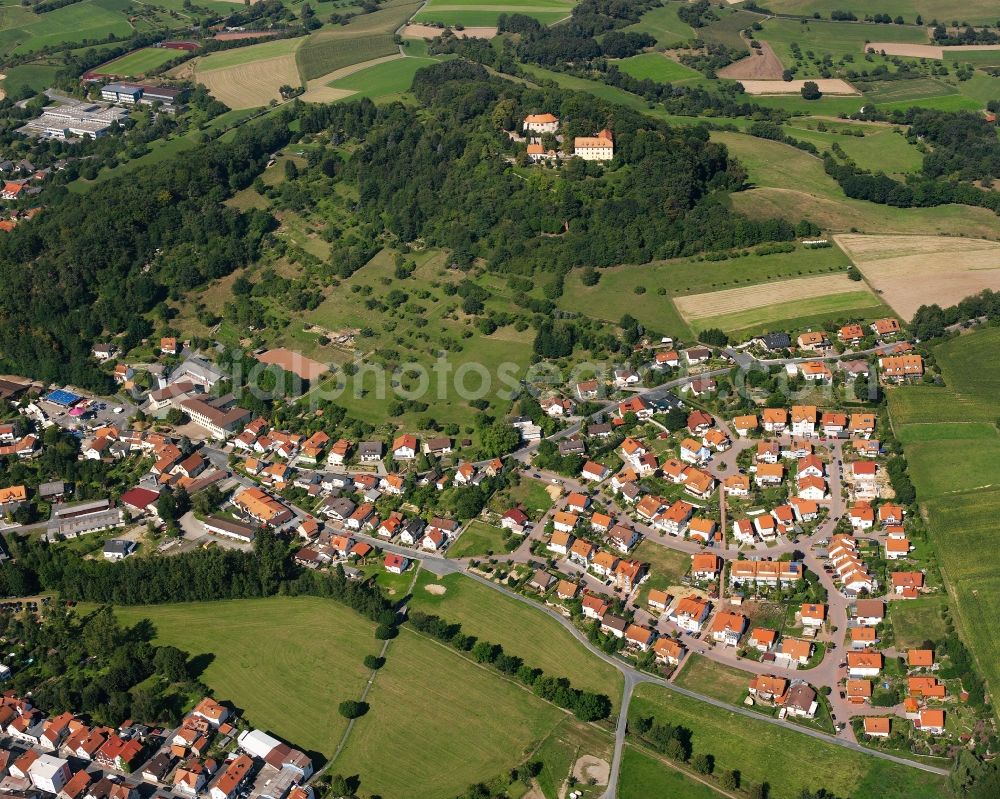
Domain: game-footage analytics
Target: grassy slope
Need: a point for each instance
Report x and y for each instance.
(383, 82)
(785, 759)
(262, 662)
(244, 55)
(614, 295)
(792, 183)
(520, 629)
(961, 497)
(972, 11)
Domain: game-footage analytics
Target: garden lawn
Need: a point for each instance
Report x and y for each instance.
(477, 723)
(917, 620)
(713, 679)
(522, 631)
(261, 653)
(478, 538)
(666, 567)
(788, 761)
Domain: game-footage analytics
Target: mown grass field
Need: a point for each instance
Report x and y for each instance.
(383, 82)
(139, 62)
(522, 630)
(37, 77)
(658, 67)
(643, 775)
(477, 724)
(788, 761)
(958, 480)
(263, 651)
(881, 148)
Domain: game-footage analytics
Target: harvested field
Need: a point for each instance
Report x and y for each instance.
(294, 362)
(826, 85)
(909, 271)
(926, 50)
(253, 84)
(760, 65)
(417, 31)
(730, 301)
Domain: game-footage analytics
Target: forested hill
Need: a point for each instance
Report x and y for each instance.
(443, 172)
(99, 261)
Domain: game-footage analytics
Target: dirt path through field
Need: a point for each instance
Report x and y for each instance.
(762, 64)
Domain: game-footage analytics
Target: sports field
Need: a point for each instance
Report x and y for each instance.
(439, 722)
(907, 271)
(957, 475)
(475, 13)
(522, 630)
(139, 62)
(262, 652)
(788, 761)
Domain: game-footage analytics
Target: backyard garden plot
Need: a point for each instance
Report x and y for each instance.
(907, 270)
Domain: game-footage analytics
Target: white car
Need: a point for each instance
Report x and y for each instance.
(119, 409)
